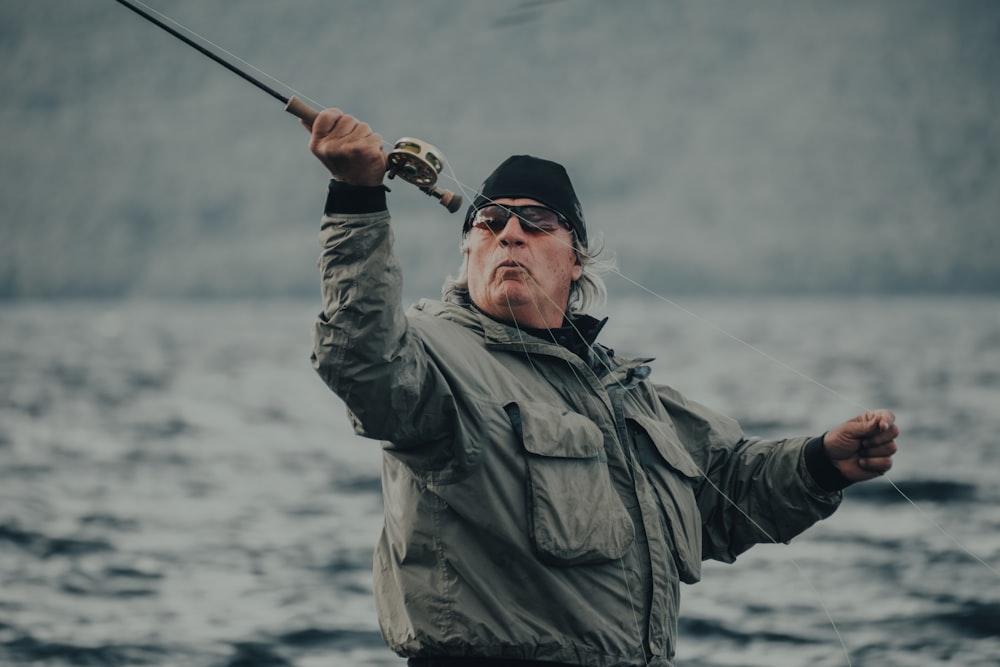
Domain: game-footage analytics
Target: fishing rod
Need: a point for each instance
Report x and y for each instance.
(413, 160)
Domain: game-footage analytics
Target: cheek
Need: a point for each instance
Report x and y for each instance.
(570, 267)
(475, 272)
(474, 265)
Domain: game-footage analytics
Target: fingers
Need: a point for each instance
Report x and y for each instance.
(875, 455)
(880, 437)
(334, 124)
(876, 466)
(876, 450)
(884, 419)
(348, 148)
(873, 424)
(325, 121)
(877, 458)
(884, 450)
(335, 133)
(877, 419)
(332, 127)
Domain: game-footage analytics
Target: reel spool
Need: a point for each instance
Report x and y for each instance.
(419, 163)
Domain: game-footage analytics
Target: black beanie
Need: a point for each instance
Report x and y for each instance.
(530, 177)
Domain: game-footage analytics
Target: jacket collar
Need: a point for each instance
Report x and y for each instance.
(581, 330)
(578, 333)
(582, 333)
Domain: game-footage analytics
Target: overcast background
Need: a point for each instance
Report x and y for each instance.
(848, 146)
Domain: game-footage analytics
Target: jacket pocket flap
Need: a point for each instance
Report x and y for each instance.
(668, 444)
(557, 433)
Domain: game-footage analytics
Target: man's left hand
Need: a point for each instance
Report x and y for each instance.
(862, 448)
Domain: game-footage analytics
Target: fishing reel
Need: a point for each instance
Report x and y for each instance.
(419, 163)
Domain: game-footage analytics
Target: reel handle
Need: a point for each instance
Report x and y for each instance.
(447, 198)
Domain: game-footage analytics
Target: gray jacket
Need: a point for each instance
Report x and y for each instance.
(534, 508)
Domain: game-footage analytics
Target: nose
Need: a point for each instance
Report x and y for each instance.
(512, 232)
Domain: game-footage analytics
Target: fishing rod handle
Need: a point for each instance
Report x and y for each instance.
(300, 109)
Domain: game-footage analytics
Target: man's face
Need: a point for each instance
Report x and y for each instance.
(520, 276)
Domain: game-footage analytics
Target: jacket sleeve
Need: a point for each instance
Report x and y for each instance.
(363, 347)
(752, 490)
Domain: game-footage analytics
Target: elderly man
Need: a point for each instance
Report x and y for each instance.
(543, 497)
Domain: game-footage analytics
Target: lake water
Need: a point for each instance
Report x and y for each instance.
(178, 488)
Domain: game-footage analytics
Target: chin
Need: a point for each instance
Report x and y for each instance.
(514, 296)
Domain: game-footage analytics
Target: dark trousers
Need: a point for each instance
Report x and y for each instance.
(481, 662)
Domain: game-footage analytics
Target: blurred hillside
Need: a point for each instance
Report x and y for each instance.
(718, 146)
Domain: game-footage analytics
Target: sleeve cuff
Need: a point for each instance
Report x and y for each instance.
(822, 470)
(346, 198)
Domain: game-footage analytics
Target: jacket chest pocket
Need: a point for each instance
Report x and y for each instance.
(575, 516)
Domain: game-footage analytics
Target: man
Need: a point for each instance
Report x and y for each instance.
(543, 497)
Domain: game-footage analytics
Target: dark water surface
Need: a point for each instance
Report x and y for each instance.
(178, 488)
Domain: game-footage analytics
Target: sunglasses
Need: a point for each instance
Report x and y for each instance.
(533, 219)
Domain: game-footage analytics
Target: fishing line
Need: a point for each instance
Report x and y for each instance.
(968, 551)
(944, 532)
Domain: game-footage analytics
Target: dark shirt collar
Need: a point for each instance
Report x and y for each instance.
(577, 334)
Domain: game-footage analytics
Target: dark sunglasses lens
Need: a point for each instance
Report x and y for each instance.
(532, 218)
(539, 216)
(493, 218)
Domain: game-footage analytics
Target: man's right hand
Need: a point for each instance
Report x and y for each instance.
(348, 148)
